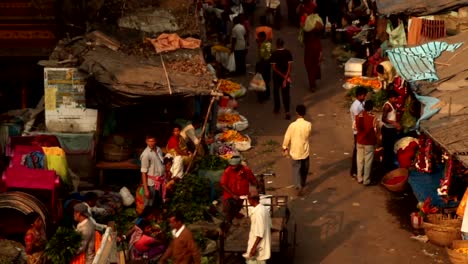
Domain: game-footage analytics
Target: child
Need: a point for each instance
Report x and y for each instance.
(366, 125)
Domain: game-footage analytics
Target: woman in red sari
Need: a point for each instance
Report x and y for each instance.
(312, 46)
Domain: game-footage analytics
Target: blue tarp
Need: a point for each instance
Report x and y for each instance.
(425, 185)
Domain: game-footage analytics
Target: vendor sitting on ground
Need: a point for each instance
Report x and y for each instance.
(235, 183)
(146, 241)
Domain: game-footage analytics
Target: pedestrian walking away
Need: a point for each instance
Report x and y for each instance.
(263, 64)
(239, 45)
(296, 145)
(281, 61)
(356, 108)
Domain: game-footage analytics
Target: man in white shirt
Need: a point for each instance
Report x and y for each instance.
(87, 230)
(296, 144)
(356, 108)
(152, 171)
(239, 45)
(259, 244)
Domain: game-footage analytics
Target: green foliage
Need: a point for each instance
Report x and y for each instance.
(212, 162)
(200, 240)
(191, 197)
(63, 246)
(379, 98)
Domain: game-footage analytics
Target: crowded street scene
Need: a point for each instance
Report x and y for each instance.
(233, 131)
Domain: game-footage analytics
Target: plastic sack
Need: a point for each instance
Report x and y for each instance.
(257, 83)
(312, 22)
(231, 65)
(140, 199)
(127, 197)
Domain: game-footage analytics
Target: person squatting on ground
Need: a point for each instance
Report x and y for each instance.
(356, 108)
(296, 144)
(390, 130)
(235, 182)
(281, 61)
(259, 243)
(366, 125)
(263, 64)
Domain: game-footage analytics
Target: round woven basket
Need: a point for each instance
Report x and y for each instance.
(456, 257)
(444, 220)
(396, 173)
(441, 235)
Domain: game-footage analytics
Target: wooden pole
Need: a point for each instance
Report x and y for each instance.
(213, 99)
(167, 76)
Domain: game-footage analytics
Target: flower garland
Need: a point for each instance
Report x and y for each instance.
(424, 157)
(445, 182)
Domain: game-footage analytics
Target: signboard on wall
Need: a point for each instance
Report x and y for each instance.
(65, 101)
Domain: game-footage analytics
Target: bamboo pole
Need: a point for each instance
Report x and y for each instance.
(213, 99)
(167, 76)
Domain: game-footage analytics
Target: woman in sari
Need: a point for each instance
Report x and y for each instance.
(312, 46)
(176, 145)
(35, 239)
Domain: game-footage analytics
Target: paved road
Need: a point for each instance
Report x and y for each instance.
(338, 220)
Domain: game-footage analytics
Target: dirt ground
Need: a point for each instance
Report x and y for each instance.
(338, 220)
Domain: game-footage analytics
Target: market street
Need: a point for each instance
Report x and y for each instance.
(338, 220)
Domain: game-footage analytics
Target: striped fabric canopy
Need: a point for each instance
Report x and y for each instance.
(417, 63)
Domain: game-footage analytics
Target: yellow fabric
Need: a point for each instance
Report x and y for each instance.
(58, 164)
(296, 139)
(219, 48)
(53, 151)
(461, 207)
(311, 22)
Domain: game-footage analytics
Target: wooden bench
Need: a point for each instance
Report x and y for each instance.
(119, 165)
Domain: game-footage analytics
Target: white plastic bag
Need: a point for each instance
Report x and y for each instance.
(127, 197)
(231, 65)
(257, 83)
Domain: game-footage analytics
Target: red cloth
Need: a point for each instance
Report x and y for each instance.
(144, 243)
(173, 142)
(405, 156)
(22, 177)
(365, 129)
(237, 181)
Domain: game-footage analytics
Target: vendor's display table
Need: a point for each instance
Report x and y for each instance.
(130, 164)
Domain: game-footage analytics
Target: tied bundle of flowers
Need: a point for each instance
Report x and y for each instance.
(425, 208)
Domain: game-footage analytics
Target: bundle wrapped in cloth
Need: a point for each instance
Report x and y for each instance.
(171, 42)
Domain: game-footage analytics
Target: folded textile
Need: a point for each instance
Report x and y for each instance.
(417, 63)
(171, 42)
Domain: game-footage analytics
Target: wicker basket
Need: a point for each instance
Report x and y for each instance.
(444, 220)
(441, 235)
(455, 257)
(113, 152)
(396, 173)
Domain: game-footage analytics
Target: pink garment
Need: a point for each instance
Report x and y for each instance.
(160, 185)
(144, 243)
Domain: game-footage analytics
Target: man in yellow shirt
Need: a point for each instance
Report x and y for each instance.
(296, 145)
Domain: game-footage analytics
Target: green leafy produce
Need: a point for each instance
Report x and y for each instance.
(63, 246)
(191, 197)
(212, 162)
(379, 98)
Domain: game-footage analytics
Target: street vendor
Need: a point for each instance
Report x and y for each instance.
(35, 239)
(146, 241)
(235, 183)
(90, 200)
(152, 172)
(386, 73)
(86, 229)
(390, 129)
(176, 145)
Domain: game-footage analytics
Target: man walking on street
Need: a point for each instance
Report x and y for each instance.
(281, 62)
(356, 108)
(239, 45)
(152, 171)
(259, 244)
(296, 144)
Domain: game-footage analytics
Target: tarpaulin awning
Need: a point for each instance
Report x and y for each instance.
(417, 7)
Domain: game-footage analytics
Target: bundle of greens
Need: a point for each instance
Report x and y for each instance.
(212, 162)
(192, 197)
(63, 246)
